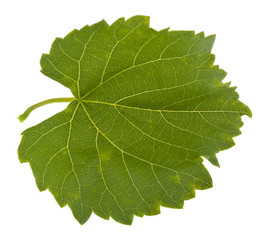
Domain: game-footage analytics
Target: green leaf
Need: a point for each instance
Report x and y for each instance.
(148, 106)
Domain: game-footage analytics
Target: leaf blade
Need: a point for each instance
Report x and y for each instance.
(150, 104)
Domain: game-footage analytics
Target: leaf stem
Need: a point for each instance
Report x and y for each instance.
(27, 112)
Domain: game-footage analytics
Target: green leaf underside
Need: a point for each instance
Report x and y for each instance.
(149, 105)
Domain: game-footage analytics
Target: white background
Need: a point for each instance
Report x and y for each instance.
(235, 208)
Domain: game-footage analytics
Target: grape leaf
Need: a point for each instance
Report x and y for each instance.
(147, 106)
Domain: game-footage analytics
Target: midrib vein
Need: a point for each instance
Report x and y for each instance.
(161, 110)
